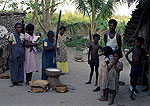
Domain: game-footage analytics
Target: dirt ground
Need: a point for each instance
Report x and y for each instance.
(79, 94)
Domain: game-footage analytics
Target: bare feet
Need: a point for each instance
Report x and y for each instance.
(11, 85)
(102, 99)
(136, 91)
(96, 89)
(132, 98)
(95, 84)
(89, 82)
(102, 96)
(111, 103)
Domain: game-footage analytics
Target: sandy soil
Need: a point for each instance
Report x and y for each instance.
(79, 94)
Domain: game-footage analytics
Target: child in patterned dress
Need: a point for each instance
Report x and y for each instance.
(114, 69)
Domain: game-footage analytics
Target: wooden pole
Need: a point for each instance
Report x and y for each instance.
(58, 24)
(57, 32)
(148, 48)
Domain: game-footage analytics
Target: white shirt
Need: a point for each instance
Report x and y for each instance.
(112, 42)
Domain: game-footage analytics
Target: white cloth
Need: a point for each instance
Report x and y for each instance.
(35, 39)
(112, 42)
(13, 39)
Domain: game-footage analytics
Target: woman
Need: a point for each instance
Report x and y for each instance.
(48, 60)
(16, 55)
(30, 64)
(61, 57)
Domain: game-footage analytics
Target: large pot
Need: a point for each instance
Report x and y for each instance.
(53, 76)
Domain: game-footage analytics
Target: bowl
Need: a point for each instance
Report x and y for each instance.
(78, 57)
(53, 72)
(62, 88)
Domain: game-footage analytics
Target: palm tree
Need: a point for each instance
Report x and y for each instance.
(97, 9)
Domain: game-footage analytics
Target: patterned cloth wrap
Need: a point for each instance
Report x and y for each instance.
(62, 56)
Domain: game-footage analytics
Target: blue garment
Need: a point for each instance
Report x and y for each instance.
(48, 60)
(16, 66)
(94, 62)
(136, 71)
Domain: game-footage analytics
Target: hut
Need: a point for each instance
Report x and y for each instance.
(9, 19)
(139, 26)
(7, 22)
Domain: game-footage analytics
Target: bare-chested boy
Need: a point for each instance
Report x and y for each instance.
(138, 54)
(93, 57)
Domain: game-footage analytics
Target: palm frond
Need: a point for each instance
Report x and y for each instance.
(73, 28)
(82, 6)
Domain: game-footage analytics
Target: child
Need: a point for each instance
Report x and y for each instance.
(114, 69)
(48, 53)
(103, 75)
(103, 68)
(136, 64)
(93, 57)
(36, 38)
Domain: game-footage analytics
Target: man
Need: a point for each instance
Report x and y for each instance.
(112, 38)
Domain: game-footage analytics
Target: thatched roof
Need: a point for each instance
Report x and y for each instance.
(139, 17)
(132, 1)
(12, 13)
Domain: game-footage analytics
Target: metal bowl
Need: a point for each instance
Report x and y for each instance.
(53, 72)
(78, 57)
(53, 69)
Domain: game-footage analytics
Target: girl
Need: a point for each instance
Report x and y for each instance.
(114, 69)
(30, 64)
(103, 76)
(16, 55)
(48, 54)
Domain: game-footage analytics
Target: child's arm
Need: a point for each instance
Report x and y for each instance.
(110, 66)
(37, 39)
(128, 57)
(46, 46)
(89, 53)
(29, 44)
(101, 50)
(118, 67)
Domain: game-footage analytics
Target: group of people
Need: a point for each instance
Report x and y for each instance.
(107, 77)
(23, 50)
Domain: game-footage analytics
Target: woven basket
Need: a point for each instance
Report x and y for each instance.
(61, 88)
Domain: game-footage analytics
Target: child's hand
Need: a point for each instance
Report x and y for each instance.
(31, 48)
(37, 39)
(107, 62)
(58, 51)
(89, 61)
(130, 62)
(114, 62)
(10, 58)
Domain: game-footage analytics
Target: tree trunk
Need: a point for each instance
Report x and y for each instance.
(38, 19)
(33, 18)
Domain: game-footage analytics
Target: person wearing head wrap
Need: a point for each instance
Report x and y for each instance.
(61, 56)
(48, 60)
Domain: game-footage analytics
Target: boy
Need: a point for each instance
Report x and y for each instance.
(136, 64)
(93, 57)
